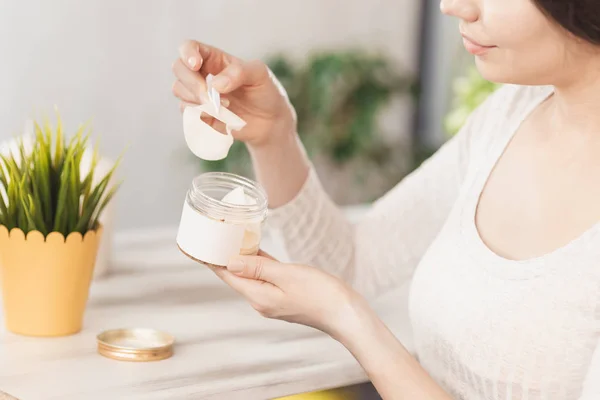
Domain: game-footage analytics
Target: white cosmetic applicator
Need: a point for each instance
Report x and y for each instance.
(202, 139)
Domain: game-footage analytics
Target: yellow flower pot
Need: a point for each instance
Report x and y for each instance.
(45, 282)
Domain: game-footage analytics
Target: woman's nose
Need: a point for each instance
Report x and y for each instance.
(466, 10)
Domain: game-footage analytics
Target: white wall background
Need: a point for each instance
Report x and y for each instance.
(110, 60)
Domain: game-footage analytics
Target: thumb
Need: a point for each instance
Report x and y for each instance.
(257, 268)
(240, 73)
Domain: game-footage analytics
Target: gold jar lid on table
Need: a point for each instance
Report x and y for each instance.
(137, 344)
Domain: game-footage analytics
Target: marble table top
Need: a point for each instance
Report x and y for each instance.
(223, 349)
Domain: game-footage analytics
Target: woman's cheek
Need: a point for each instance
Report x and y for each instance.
(514, 23)
(529, 45)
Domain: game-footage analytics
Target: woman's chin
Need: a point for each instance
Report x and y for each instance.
(505, 73)
(494, 72)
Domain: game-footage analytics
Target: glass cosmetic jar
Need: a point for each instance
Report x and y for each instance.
(222, 216)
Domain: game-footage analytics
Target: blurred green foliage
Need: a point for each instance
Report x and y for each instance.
(338, 97)
(468, 92)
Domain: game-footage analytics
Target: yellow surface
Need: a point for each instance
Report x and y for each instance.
(326, 395)
(45, 283)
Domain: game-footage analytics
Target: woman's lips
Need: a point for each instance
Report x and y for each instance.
(475, 48)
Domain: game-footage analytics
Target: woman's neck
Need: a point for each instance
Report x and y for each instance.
(575, 106)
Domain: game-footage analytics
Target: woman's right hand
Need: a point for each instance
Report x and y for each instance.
(247, 88)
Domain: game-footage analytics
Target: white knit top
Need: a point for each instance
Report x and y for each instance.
(484, 327)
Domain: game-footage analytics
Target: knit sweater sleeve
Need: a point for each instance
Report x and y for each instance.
(383, 249)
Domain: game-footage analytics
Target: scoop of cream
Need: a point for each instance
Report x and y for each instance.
(239, 197)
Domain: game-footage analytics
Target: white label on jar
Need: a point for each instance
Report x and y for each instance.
(206, 239)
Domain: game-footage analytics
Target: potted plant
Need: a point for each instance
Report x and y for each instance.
(49, 231)
(107, 219)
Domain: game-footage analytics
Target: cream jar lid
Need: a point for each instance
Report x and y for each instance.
(137, 344)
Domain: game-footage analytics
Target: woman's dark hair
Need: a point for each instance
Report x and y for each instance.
(580, 17)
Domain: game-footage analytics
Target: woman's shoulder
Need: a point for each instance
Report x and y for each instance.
(511, 101)
(504, 108)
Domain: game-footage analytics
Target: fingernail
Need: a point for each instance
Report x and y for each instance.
(220, 82)
(236, 265)
(225, 102)
(192, 61)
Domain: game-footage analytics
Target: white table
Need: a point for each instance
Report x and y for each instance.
(224, 350)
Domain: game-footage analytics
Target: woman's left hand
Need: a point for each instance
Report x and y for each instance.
(293, 293)
(309, 296)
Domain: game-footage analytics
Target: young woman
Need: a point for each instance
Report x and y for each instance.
(498, 230)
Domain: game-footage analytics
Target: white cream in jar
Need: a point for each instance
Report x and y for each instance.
(222, 217)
